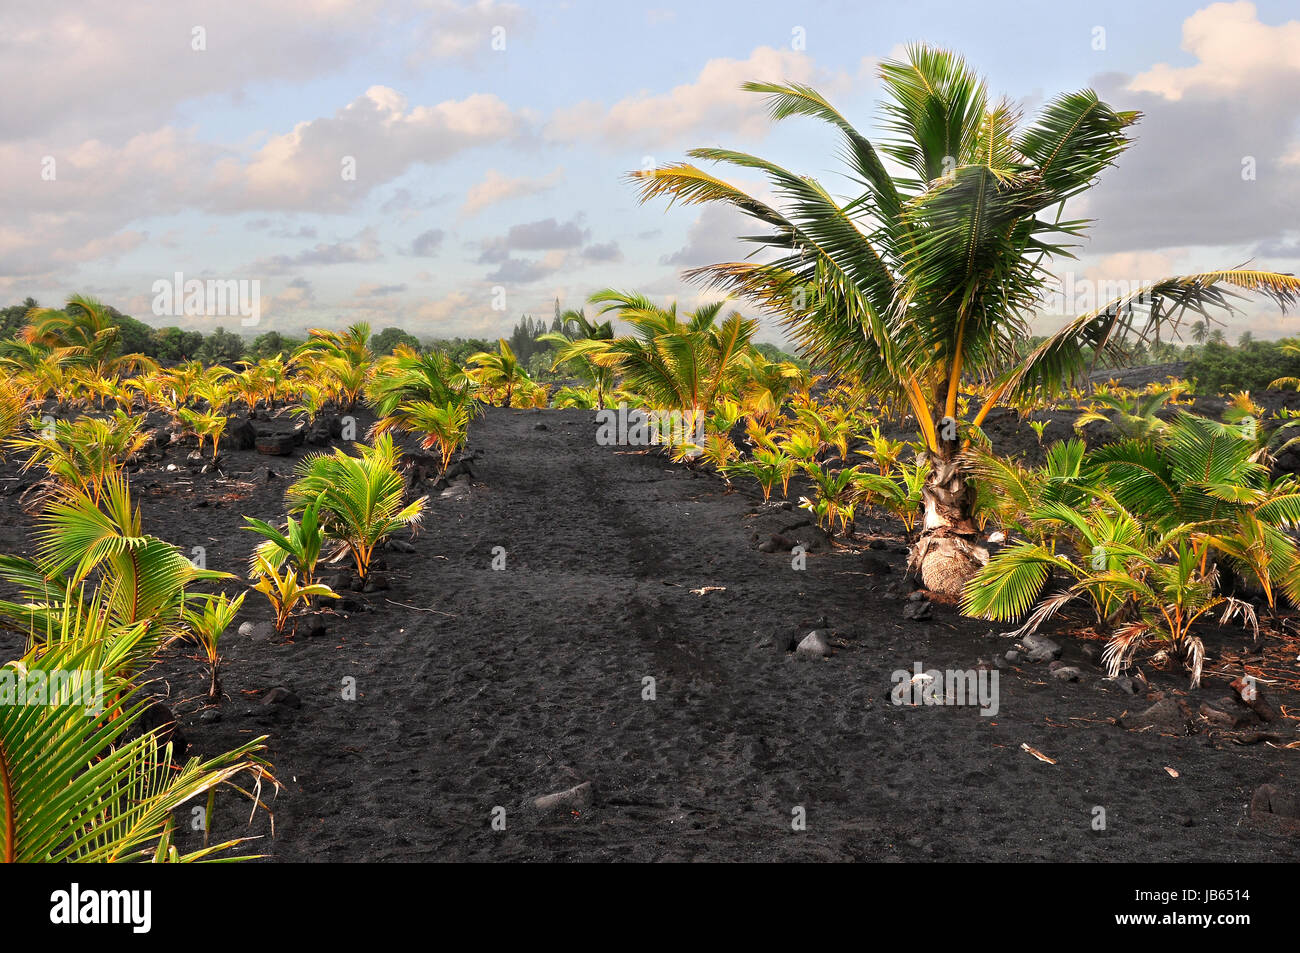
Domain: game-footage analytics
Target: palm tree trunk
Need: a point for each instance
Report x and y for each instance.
(950, 549)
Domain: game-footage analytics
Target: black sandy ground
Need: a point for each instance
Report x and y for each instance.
(479, 688)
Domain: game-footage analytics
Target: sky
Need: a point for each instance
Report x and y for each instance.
(446, 167)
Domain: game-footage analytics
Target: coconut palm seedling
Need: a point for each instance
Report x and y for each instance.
(74, 790)
(585, 397)
(669, 363)
(82, 454)
(830, 427)
(768, 467)
(444, 428)
(900, 494)
(14, 405)
(929, 276)
(140, 579)
(425, 394)
(765, 385)
(1091, 538)
(1010, 492)
(499, 373)
(1171, 597)
(207, 624)
(1038, 426)
(1135, 415)
(836, 496)
(284, 590)
(312, 400)
(885, 453)
(300, 542)
(204, 426)
(249, 386)
(360, 497)
(576, 327)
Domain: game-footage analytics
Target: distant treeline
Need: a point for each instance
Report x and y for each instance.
(1213, 365)
(220, 346)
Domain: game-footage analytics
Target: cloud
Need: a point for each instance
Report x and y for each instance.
(1210, 164)
(327, 164)
(512, 270)
(379, 291)
(546, 233)
(298, 295)
(607, 251)
(466, 31)
(128, 66)
(364, 248)
(712, 238)
(60, 197)
(711, 105)
(496, 188)
(1234, 52)
(427, 243)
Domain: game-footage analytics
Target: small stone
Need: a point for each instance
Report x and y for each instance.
(1012, 656)
(262, 475)
(263, 632)
(1165, 715)
(1039, 648)
(814, 645)
(540, 427)
(246, 629)
(400, 546)
(1067, 673)
(1270, 799)
(281, 696)
(574, 798)
(916, 611)
(210, 716)
(1129, 685)
(376, 582)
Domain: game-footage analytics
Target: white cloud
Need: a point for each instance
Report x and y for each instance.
(377, 134)
(713, 103)
(456, 31)
(496, 188)
(97, 66)
(1234, 52)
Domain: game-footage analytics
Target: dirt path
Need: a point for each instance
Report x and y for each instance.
(529, 680)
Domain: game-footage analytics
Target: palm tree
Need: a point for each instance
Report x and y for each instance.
(75, 788)
(500, 370)
(576, 327)
(360, 498)
(672, 364)
(140, 579)
(927, 277)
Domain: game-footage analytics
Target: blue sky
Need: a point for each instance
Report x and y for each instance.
(491, 172)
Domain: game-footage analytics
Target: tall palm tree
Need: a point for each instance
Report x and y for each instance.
(928, 275)
(575, 328)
